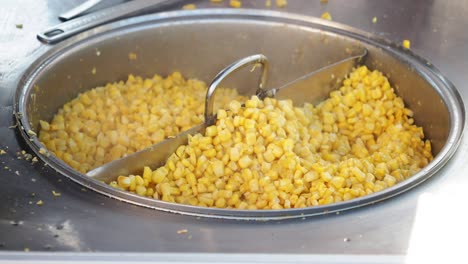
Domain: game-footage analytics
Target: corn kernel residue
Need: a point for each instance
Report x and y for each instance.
(281, 3)
(272, 155)
(108, 122)
(235, 3)
(406, 44)
(326, 16)
(189, 7)
(132, 56)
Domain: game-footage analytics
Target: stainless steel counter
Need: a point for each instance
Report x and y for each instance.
(427, 223)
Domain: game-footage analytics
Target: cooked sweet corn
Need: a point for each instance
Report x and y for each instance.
(272, 155)
(108, 122)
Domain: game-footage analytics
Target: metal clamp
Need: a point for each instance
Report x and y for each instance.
(254, 59)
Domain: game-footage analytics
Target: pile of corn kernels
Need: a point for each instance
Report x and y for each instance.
(272, 155)
(108, 122)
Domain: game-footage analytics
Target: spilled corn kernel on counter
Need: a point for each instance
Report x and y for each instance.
(265, 155)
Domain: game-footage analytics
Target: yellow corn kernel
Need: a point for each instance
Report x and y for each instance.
(139, 180)
(44, 125)
(189, 7)
(244, 162)
(218, 168)
(326, 16)
(277, 151)
(147, 173)
(220, 203)
(159, 175)
(338, 182)
(141, 190)
(235, 3)
(390, 180)
(211, 131)
(234, 154)
(123, 181)
(114, 184)
(253, 185)
(269, 156)
(406, 44)
(225, 135)
(210, 153)
(251, 138)
(281, 3)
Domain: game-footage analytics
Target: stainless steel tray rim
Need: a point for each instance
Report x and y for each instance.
(452, 101)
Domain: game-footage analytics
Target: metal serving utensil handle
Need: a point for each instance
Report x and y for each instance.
(157, 154)
(260, 59)
(79, 10)
(67, 29)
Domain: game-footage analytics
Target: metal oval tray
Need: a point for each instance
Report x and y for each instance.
(294, 44)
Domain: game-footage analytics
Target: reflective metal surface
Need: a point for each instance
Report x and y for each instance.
(79, 10)
(67, 29)
(316, 86)
(162, 38)
(425, 225)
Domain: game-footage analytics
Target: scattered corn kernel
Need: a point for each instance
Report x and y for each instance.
(132, 56)
(281, 3)
(326, 16)
(182, 231)
(189, 7)
(374, 20)
(235, 3)
(406, 44)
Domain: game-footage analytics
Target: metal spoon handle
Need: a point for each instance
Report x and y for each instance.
(78, 10)
(67, 29)
(157, 154)
(235, 66)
